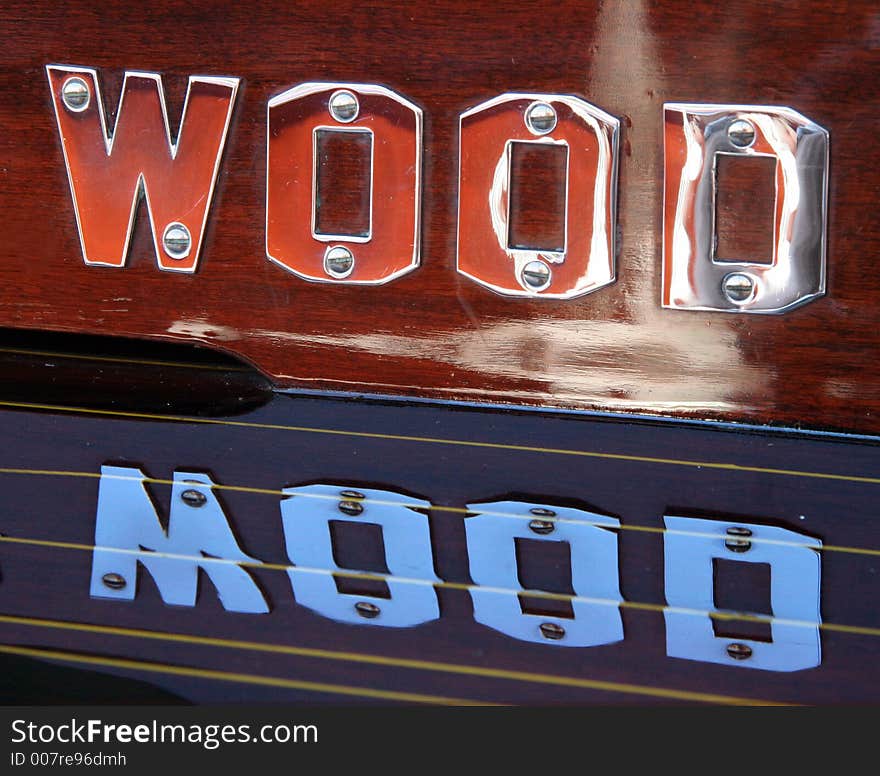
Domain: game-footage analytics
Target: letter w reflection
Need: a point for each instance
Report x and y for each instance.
(128, 531)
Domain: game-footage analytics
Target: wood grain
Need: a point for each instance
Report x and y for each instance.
(434, 333)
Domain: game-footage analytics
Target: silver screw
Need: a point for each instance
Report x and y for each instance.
(542, 526)
(552, 631)
(176, 240)
(741, 133)
(344, 106)
(739, 651)
(193, 498)
(351, 494)
(738, 545)
(739, 287)
(114, 581)
(542, 512)
(536, 275)
(540, 118)
(75, 94)
(367, 610)
(352, 508)
(338, 262)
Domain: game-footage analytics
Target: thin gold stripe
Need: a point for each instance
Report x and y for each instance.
(542, 594)
(431, 507)
(420, 665)
(122, 360)
(455, 442)
(226, 676)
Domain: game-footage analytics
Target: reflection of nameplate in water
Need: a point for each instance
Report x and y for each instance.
(690, 547)
(576, 558)
(199, 537)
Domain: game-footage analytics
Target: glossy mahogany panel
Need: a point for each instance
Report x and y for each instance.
(744, 211)
(434, 332)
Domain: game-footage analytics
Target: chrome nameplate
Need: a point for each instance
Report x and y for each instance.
(108, 172)
(694, 277)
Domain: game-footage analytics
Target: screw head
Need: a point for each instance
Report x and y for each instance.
(367, 610)
(552, 631)
(739, 651)
(542, 527)
(738, 545)
(351, 494)
(536, 275)
(114, 581)
(542, 512)
(741, 133)
(75, 94)
(344, 106)
(176, 240)
(540, 118)
(338, 262)
(739, 287)
(352, 508)
(193, 498)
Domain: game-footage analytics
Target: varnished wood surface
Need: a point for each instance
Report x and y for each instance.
(259, 450)
(434, 333)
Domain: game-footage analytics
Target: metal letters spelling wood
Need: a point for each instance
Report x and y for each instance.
(199, 537)
(108, 172)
